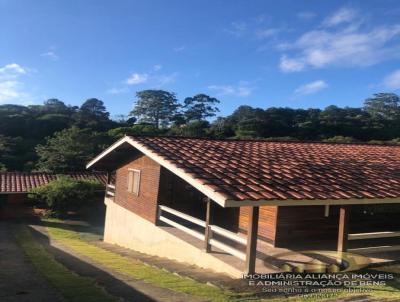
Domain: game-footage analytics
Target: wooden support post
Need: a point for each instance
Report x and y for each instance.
(343, 233)
(207, 234)
(251, 248)
(108, 177)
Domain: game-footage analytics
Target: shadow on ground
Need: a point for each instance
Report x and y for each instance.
(111, 284)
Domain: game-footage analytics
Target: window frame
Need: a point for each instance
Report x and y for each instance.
(132, 186)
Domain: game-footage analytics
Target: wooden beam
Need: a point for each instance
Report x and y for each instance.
(207, 234)
(343, 232)
(252, 234)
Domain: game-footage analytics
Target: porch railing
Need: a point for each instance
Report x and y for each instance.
(183, 216)
(374, 235)
(110, 190)
(213, 229)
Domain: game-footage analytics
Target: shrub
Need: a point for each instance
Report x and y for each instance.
(340, 139)
(66, 194)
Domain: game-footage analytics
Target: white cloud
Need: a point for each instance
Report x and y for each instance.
(50, 55)
(268, 32)
(11, 71)
(137, 78)
(240, 90)
(343, 15)
(157, 67)
(392, 80)
(312, 87)
(291, 65)
(165, 79)
(179, 48)
(237, 28)
(347, 47)
(11, 88)
(305, 15)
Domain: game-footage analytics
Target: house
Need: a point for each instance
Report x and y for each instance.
(186, 198)
(14, 187)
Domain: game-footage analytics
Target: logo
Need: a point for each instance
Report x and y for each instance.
(319, 261)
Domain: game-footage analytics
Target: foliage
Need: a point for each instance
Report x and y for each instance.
(65, 193)
(40, 136)
(383, 105)
(141, 129)
(340, 139)
(196, 128)
(67, 150)
(200, 107)
(157, 107)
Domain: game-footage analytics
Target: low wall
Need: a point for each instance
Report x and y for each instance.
(126, 229)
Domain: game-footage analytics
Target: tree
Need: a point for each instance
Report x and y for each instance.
(94, 115)
(157, 107)
(95, 108)
(67, 150)
(200, 107)
(56, 106)
(383, 106)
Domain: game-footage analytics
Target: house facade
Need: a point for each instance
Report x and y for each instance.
(232, 194)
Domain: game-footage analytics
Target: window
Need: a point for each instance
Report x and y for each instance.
(133, 181)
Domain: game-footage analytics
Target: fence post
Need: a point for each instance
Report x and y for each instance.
(207, 234)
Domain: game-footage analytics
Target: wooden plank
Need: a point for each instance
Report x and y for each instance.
(228, 249)
(228, 234)
(182, 228)
(373, 235)
(183, 216)
(372, 249)
(343, 231)
(207, 233)
(251, 248)
(326, 212)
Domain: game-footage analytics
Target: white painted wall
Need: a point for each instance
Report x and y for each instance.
(129, 230)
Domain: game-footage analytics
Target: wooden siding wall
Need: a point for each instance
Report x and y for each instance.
(145, 204)
(305, 224)
(266, 222)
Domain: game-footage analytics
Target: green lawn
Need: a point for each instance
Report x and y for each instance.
(139, 270)
(160, 278)
(72, 287)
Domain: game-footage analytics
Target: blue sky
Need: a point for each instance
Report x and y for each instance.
(260, 53)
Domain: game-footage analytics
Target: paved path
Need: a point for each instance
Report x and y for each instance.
(19, 281)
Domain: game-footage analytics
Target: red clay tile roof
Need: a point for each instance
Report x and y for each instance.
(22, 182)
(260, 170)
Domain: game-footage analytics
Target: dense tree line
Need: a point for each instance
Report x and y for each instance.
(57, 137)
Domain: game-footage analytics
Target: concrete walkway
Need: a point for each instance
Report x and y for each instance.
(19, 281)
(119, 285)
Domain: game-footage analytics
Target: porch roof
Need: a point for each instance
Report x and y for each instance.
(250, 172)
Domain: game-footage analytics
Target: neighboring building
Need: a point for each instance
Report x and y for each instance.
(229, 193)
(14, 187)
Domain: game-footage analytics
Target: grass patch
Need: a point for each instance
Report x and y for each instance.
(160, 278)
(139, 270)
(72, 287)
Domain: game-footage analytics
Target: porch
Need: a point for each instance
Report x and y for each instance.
(238, 250)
